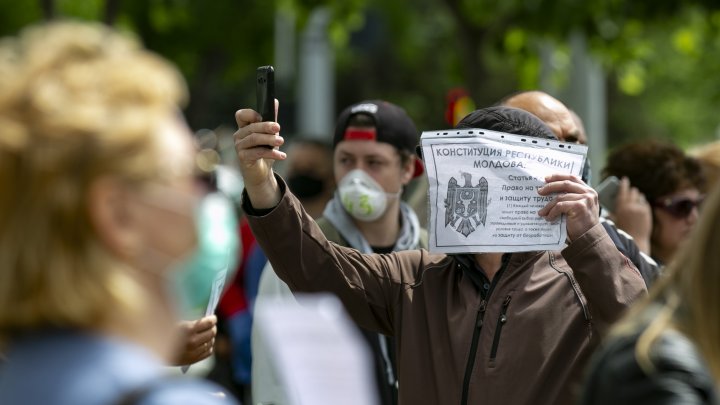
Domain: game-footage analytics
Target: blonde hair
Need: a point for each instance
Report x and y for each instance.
(77, 101)
(709, 157)
(688, 296)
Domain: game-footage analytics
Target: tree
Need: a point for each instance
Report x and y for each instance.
(660, 57)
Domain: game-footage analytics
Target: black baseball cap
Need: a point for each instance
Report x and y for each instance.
(392, 125)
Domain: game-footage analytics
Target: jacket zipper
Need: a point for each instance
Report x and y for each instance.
(498, 329)
(575, 287)
(476, 334)
(473, 350)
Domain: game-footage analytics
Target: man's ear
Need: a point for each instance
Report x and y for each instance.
(408, 170)
(111, 216)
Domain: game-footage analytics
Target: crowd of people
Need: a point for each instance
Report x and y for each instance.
(115, 240)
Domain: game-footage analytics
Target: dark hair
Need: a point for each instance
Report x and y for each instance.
(655, 167)
(318, 141)
(507, 119)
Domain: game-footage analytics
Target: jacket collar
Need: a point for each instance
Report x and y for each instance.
(468, 265)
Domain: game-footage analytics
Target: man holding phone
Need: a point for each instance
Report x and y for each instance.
(373, 160)
(513, 328)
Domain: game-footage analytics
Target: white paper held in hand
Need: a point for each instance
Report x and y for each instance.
(317, 351)
(483, 190)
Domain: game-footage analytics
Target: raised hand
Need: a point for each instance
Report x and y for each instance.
(633, 214)
(256, 145)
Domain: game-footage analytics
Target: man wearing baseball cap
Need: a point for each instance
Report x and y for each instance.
(373, 160)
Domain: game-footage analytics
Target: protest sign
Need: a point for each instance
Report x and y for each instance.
(483, 190)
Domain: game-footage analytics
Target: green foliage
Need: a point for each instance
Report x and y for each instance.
(85, 10)
(17, 14)
(661, 58)
(674, 79)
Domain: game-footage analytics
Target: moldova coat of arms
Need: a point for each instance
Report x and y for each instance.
(466, 204)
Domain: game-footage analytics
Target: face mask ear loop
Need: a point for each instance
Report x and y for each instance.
(394, 195)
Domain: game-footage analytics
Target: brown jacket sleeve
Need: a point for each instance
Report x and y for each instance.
(369, 285)
(608, 279)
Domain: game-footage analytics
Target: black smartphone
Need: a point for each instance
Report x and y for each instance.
(266, 92)
(607, 192)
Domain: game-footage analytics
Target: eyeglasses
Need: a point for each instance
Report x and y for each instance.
(679, 207)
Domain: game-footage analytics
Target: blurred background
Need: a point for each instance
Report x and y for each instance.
(630, 69)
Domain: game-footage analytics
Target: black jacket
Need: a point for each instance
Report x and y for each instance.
(680, 376)
(649, 268)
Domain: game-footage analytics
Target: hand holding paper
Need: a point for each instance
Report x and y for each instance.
(575, 199)
(483, 191)
(199, 339)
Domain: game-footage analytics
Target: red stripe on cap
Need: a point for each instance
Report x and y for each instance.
(360, 134)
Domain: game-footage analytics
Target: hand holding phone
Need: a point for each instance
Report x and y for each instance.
(607, 192)
(630, 211)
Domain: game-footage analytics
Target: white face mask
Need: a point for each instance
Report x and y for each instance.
(362, 197)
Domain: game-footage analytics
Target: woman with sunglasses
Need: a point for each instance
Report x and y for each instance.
(666, 349)
(659, 195)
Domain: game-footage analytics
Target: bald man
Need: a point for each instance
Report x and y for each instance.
(582, 135)
(568, 127)
(551, 111)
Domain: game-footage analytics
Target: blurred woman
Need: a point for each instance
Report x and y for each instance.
(98, 195)
(666, 351)
(659, 196)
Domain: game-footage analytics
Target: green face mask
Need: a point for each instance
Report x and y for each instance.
(201, 279)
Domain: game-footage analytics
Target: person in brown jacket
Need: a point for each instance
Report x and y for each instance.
(488, 328)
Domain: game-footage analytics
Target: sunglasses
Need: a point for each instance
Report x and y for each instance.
(679, 207)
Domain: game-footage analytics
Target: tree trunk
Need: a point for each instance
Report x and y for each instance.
(471, 43)
(112, 7)
(48, 9)
(206, 81)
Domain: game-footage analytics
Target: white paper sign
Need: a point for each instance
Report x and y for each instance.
(216, 292)
(317, 351)
(483, 190)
